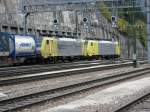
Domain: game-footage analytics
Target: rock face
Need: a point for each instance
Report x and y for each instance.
(11, 14)
(11, 20)
(10, 6)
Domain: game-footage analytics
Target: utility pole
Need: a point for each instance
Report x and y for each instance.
(76, 14)
(128, 47)
(134, 41)
(148, 28)
(25, 23)
(114, 17)
(25, 20)
(86, 23)
(134, 49)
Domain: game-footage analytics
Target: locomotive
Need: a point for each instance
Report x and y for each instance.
(16, 48)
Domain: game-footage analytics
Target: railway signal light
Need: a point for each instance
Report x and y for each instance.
(85, 20)
(113, 20)
(55, 21)
(113, 35)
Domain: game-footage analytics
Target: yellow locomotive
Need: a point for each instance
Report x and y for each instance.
(68, 47)
(15, 48)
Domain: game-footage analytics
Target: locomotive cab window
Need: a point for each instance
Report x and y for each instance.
(91, 43)
(47, 42)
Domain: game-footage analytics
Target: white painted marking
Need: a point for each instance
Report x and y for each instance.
(2, 95)
(94, 63)
(89, 64)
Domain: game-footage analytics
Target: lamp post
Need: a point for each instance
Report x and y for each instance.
(147, 2)
(25, 20)
(134, 49)
(134, 40)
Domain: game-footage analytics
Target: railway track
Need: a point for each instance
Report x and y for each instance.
(9, 71)
(139, 101)
(35, 68)
(52, 64)
(15, 102)
(14, 71)
(9, 77)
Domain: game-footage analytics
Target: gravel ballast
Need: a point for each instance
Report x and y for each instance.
(108, 99)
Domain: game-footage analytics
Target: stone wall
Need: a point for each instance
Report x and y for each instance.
(44, 21)
(11, 20)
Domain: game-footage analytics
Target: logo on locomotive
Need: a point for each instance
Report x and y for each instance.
(26, 45)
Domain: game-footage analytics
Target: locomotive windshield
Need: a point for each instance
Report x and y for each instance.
(4, 43)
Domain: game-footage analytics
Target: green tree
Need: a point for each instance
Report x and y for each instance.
(141, 32)
(122, 24)
(104, 10)
(130, 22)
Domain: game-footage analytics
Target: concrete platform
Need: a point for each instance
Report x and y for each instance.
(108, 99)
